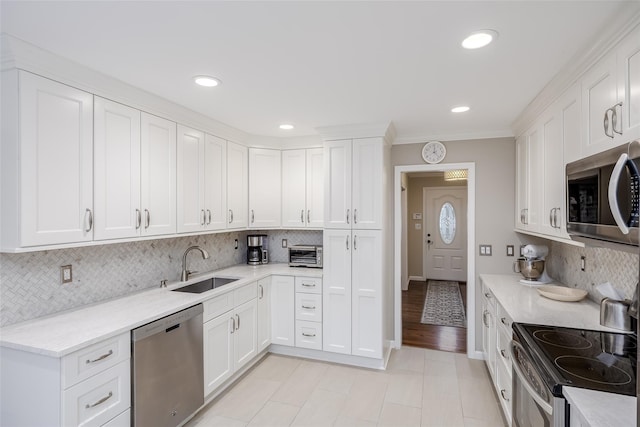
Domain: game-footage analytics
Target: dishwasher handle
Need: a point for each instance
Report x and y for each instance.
(166, 324)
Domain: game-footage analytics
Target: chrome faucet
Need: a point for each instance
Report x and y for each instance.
(185, 273)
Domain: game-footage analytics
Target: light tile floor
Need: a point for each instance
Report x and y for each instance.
(419, 388)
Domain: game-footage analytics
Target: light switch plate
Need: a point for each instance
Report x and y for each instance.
(485, 250)
(66, 275)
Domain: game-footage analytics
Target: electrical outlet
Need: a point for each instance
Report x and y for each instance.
(284, 243)
(510, 249)
(66, 274)
(485, 250)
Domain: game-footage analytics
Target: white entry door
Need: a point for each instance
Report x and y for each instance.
(445, 233)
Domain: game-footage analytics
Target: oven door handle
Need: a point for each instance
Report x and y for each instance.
(613, 192)
(534, 395)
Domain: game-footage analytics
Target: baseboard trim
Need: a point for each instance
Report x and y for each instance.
(475, 354)
(420, 278)
(324, 356)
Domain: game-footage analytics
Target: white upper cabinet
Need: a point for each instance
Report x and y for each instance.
(629, 85)
(353, 183)
(116, 170)
(237, 185)
(529, 165)
(264, 188)
(47, 162)
(302, 188)
(215, 172)
(158, 176)
(190, 180)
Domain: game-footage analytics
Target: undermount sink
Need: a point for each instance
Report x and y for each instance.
(207, 285)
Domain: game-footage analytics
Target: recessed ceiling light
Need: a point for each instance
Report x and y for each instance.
(461, 109)
(206, 81)
(479, 39)
(286, 126)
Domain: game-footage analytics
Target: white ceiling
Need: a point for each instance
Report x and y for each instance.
(318, 64)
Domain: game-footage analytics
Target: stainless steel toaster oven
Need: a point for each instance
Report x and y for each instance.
(305, 256)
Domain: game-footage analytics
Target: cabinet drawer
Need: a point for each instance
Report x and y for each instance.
(309, 284)
(245, 293)
(504, 321)
(84, 363)
(504, 341)
(122, 420)
(98, 399)
(309, 335)
(309, 307)
(217, 306)
(503, 385)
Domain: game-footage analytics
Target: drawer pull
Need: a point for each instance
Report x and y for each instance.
(309, 307)
(104, 356)
(309, 285)
(504, 354)
(308, 335)
(104, 399)
(502, 393)
(487, 294)
(504, 321)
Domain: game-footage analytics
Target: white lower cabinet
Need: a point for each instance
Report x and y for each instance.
(309, 334)
(264, 313)
(283, 310)
(308, 312)
(229, 334)
(89, 387)
(122, 420)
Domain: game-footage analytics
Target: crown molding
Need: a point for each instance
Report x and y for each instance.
(334, 133)
(17, 53)
(626, 21)
(506, 133)
(290, 143)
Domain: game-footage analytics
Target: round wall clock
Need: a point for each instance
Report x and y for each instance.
(433, 152)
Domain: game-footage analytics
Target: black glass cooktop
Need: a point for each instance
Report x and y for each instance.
(594, 360)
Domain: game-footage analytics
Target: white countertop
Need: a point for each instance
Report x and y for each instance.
(602, 409)
(525, 305)
(63, 333)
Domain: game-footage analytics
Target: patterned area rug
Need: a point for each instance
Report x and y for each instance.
(443, 305)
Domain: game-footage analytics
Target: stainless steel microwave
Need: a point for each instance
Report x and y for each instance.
(602, 196)
(305, 256)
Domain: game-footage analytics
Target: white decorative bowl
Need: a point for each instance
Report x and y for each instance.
(562, 293)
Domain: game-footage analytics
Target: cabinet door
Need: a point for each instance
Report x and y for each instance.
(629, 86)
(264, 313)
(116, 170)
(245, 336)
(294, 188)
(56, 162)
(569, 105)
(598, 95)
(215, 183)
(337, 184)
(158, 175)
(552, 173)
(218, 351)
(336, 292)
(282, 310)
(522, 178)
(315, 188)
(264, 188)
(367, 184)
(366, 285)
(190, 187)
(237, 185)
(534, 181)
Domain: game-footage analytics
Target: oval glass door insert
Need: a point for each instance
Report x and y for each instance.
(447, 223)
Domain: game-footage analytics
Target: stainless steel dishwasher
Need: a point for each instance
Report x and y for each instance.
(167, 369)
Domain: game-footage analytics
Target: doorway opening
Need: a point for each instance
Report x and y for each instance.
(434, 240)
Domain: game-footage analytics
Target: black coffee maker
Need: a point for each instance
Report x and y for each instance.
(257, 249)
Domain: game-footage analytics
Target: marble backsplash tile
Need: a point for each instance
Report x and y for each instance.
(30, 283)
(602, 265)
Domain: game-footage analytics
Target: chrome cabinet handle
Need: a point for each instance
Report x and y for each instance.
(90, 214)
(504, 354)
(355, 216)
(488, 295)
(606, 123)
(302, 216)
(253, 216)
(104, 399)
(502, 393)
(147, 218)
(348, 211)
(526, 216)
(238, 317)
(308, 335)
(309, 216)
(503, 320)
(484, 319)
(138, 219)
(230, 216)
(614, 118)
(261, 291)
(347, 242)
(551, 217)
(355, 242)
(104, 356)
(204, 217)
(309, 307)
(233, 325)
(208, 216)
(310, 285)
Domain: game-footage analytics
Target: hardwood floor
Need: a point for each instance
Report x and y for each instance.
(414, 333)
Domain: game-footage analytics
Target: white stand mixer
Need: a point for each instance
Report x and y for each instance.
(531, 254)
